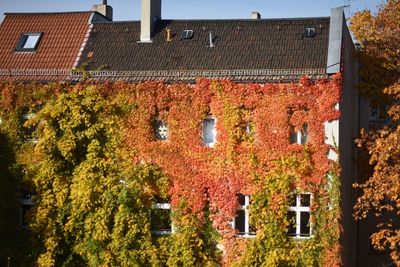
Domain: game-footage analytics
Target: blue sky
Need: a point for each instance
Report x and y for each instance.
(200, 9)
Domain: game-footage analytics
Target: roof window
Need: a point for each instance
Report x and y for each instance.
(309, 32)
(29, 41)
(187, 34)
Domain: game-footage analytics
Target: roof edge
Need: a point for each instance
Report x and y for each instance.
(47, 13)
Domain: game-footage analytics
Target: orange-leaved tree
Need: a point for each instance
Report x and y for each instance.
(379, 56)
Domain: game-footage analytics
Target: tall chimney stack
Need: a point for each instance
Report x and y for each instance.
(151, 12)
(104, 9)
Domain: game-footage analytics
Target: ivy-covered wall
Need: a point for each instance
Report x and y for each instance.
(252, 156)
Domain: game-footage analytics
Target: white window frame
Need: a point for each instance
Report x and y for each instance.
(26, 117)
(245, 208)
(162, 206)
(298, 209)
(215, 131)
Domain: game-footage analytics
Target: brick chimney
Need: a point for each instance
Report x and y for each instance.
(151, 12)
(104, 9)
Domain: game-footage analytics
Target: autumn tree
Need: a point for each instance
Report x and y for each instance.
(380, 71)
(92, 203)
(379, 56)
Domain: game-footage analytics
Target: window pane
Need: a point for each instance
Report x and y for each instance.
(305, 200)
(304, 134)
(292, 201)
(242, 200)
(160, 219)
(240, 221)
(161, 130)
(292, 222)
(305, 223)
(209, 131)
(293, 135)
(31, 41)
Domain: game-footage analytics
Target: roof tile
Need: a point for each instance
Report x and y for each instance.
(63, 34)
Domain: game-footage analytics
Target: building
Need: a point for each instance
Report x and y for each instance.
(47, 47)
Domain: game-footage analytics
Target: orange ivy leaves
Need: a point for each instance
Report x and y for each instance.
(216, 175)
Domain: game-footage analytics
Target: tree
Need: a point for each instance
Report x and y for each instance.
(92, 203)
(379, 56)
(380, 71)
(381, 193)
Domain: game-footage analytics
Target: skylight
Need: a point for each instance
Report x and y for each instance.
(29, 41)
(187, 34)
(309, 32)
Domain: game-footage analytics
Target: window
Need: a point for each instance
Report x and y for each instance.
(160, 218)
(299, 215)
(379, 112)
(241, 223)
(29, 41)
(187, 34)
(209, 131)
(309, 32)
(161, 130)
(29, 131)
(299, 137)
(27, 202)
(249, 128)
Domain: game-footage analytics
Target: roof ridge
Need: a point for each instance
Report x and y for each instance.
(239, 19)
(218, 20)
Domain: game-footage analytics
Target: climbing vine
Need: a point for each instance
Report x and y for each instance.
(252, 156)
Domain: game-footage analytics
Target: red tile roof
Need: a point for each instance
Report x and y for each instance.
(60, 44)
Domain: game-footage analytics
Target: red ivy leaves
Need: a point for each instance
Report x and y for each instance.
(202, 175)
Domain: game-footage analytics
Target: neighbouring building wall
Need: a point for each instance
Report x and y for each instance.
(341, 58)
(366, 255)
(348, 129)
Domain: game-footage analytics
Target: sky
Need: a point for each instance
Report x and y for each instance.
(200, 9)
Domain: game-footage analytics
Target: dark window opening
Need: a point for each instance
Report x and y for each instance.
(304, 223)
(161, 220)
(305, 200)
(240, 221)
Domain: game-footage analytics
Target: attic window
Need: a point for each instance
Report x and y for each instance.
(187, 34)
(29, 41)
(309, 32)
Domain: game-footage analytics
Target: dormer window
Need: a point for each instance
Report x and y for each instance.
(29, 41)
